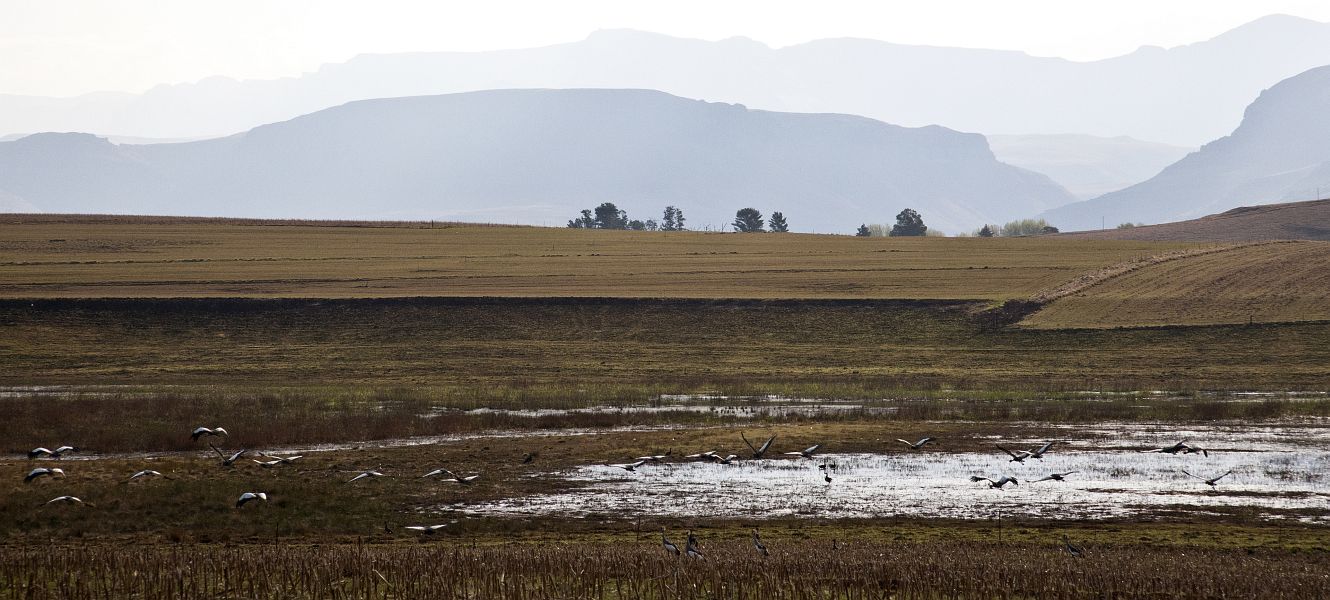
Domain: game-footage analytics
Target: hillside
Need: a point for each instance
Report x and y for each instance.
(1260, 283)
(1086, 165)
(1184, 96)
(1308, 220)
(1280, 153)
(540, 156)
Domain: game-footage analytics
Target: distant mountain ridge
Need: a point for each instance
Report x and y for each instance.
(1280, 153)
(1182, 96)
(539, 156)
(1087, 166)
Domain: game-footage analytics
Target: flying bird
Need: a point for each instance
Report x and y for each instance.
(727, 460)
(1211, 481)
(250, 496)
(759, 451)
(1054, 477)
(228, 460)
(1174, 449)
(996, 484)
(919, 445)
(40, 472)
(708, 455)
(806, 452)
(202, 431)
(370, 473)
(286, 460)
(1073, 550)
(630, 467)
(1039, 452)
(65, 500)
(654, 458)
(1016, 456)
(426, 529)
(757, 543)
(36, 452)
(669, 546)
(145, 473)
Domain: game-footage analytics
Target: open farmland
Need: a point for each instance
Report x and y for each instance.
(1261, 283)
(127, 258)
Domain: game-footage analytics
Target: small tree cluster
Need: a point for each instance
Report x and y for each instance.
(608, 216)
(1027, 227)
(672, 220)
(750, 220)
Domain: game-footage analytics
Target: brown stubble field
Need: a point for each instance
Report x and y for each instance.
(295, 335)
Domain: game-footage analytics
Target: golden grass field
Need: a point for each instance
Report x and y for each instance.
(1265, 283)
(175, 259)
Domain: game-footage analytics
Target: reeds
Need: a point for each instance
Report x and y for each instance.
(795, 569)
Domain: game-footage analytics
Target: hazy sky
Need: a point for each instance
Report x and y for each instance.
(67, 47)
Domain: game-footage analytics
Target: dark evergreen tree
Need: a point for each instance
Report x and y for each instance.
(748, 220)
(608, 216)
(586, 221)
(864, 231)
(777, 223)
(986, 231)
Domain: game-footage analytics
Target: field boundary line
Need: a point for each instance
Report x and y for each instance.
(1089, 280)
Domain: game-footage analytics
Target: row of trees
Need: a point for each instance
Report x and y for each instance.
(609, 216)
(1017, 228)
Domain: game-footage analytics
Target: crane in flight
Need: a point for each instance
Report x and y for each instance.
(759, 451)
(36, 452)
(1004, 480)
(806, 452)
(919, 445)
(1054, 477)
(248, 497)
(1211, 481)
(212, 432)
(41, 472)
(1016, 456)
(1039, 452)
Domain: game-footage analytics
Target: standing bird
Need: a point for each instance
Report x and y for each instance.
(1054, 477)
(826, 476)
(1073, 550)
(996, 484)
(919, 445)
(669, 546)
(40, 472)
(1211, 481)
(1039, 452)
(249, 496)
(760, 451)
(530, 456)
(1015, 457)
(691, 548)
(806, 452)
(202, 431)
(228, 460)
(757, 543)
(370, 473)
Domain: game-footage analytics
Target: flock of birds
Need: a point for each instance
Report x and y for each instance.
(227, 460)
(691, 548)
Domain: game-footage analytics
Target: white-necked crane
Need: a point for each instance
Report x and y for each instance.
(669, 546)
(1211, 481)
(919, 445)
(228, 460)
(145, 474)
(806, 452)
(65, 500)
(1039, 452)
(692, 548)
(370, 473)
(757, 543)
(208, 431)
(630, 467)
(1054, 477)
(1174, 449)
(1004, 480)
(1015, 456)
(1072, 549)
(36, 452)
(759, 451)
(41, 472)
(426, 529)
(248, 497)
